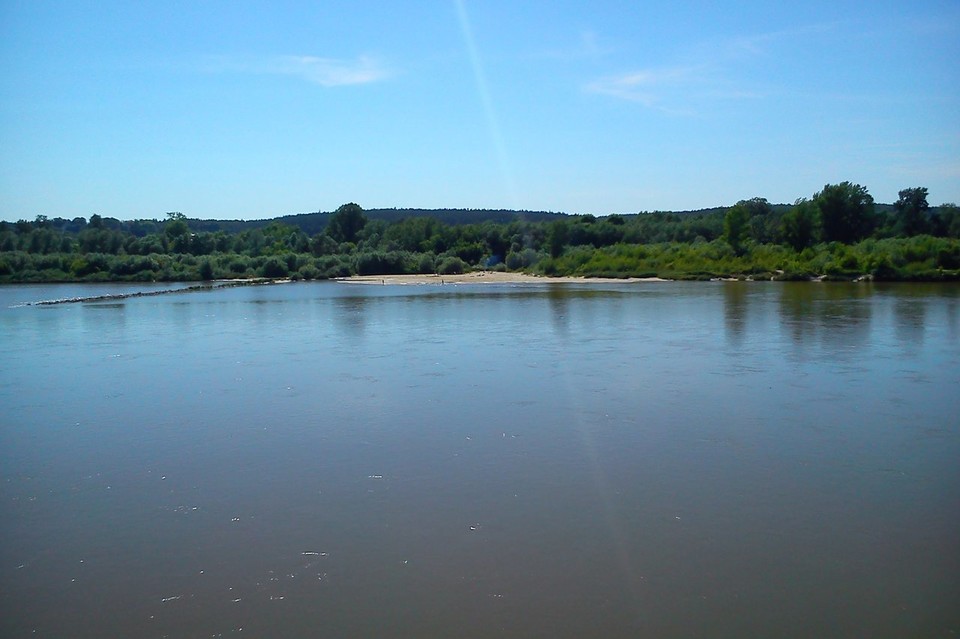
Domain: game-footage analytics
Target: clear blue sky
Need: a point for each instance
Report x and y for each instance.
(257, 109)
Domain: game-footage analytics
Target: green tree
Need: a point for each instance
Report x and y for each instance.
(322, 244)
(757, 206)
(763, 222)
(946, 222)
(735, 226)
(274, 267)
(799, 225)
(451, 266)
(346, 223)
(913, 211)
(846, 212)
(557, 236)
(176, 226)
(412, 233)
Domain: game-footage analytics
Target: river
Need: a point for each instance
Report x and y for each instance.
(716, 459)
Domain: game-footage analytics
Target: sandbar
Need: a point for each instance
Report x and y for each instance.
(486, 277)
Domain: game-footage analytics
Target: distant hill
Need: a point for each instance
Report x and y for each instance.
(311, 223)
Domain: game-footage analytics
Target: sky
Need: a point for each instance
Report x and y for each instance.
(252, 110)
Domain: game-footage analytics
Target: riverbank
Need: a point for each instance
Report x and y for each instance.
(483, 277)
(919, 258)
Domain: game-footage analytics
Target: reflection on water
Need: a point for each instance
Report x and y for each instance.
(845, 317)
(953, 317)
(559, 297)
(618, 460)
(798, 311)
(735, 311)
(911, 318)
(829, 316)
(350, 314)
(102, 317)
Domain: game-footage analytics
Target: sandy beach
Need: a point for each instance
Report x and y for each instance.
(485, 277)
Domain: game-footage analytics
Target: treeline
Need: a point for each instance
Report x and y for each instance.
(837, 233)
(309, 223)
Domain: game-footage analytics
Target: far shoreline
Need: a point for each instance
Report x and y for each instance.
(487, 277)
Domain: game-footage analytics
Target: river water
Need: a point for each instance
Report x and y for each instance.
(566, 460)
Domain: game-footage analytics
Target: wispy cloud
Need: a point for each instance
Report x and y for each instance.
(671, 90)
(709, 72)
(586, 47)
(646, 86)
(327, 72)
(760, 43)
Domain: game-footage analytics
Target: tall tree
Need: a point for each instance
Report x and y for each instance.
(735, 224)
(346, 223)
(846, 212)
(177, 231)
(913, 211)
(175, 226)
(557, 236)
(946, 222)
(799, 224)
(763, 222)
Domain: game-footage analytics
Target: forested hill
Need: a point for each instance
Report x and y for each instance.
(311, 223)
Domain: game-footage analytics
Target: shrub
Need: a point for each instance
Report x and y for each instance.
(522, 259)
(334, 266)
(239, 266)
(427, 263)
(309, 272)
(451, 266)
(274, 267)
(383, 263)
